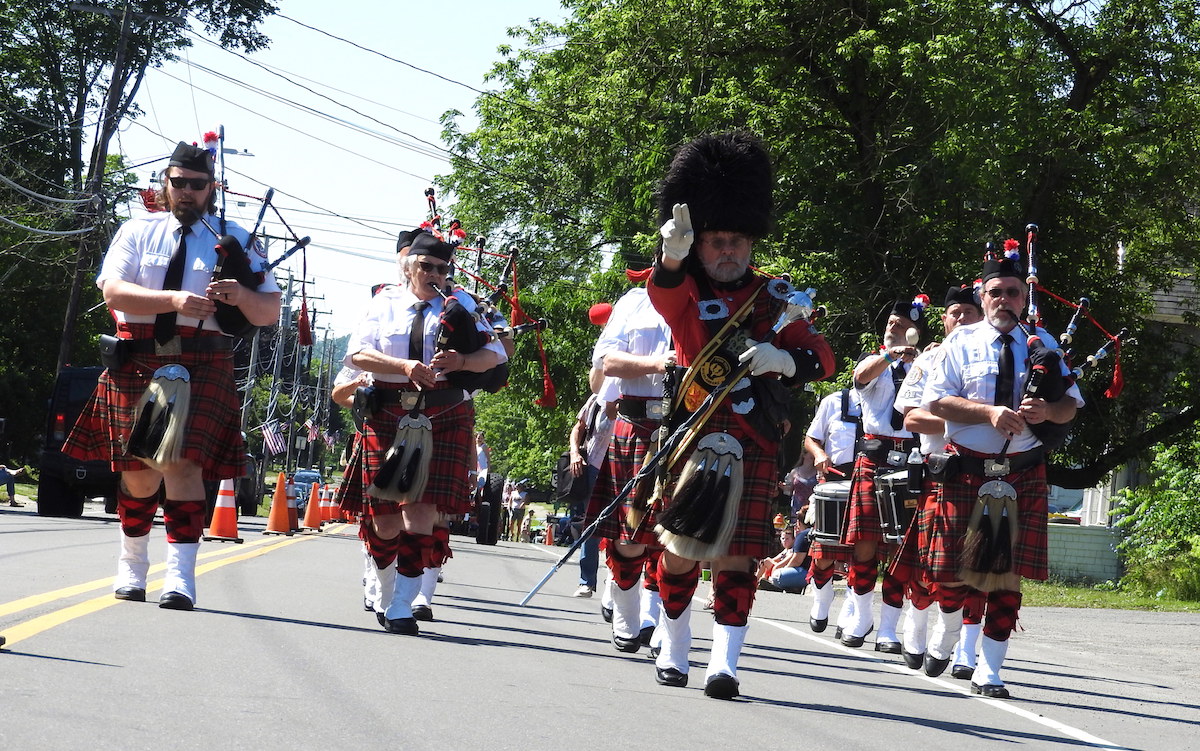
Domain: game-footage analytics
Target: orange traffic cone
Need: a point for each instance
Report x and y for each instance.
(277, 522)
(224, 526)
(549, 533)
(335, 510)
(293, 498)
(312, 513)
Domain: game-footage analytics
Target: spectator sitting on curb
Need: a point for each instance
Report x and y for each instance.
(9, 477)
(788, 570)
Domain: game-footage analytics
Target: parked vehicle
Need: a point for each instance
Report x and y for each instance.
(64, 483)
(303, 480)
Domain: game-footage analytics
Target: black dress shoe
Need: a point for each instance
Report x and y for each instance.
(626, 644)
(133, 594)
(890, 647)
(606, 614)
(670, 677)
(913, 661)
(422, 612)
(379, 617)
(175, 601)
(850, 640)
(990, 691)
(405, 626)
(721, 686)
(935, 667)
(817, 624)
(645, 635)
(962, 672)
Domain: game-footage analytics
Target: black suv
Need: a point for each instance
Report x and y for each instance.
(65, 483)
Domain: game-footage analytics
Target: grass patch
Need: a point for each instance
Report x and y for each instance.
(1075, 595)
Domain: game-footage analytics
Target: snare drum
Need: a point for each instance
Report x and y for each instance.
(897, 506)
(830, 500)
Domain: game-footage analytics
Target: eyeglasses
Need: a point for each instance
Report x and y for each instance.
(191, 183)
(440, 269)
(996, 292)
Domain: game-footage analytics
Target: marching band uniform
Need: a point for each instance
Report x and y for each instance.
(834, 431)
(962, 390)
(884, 443)
(634, 328)
(907, 564)
(166, 252)
(715, 200)
(384, 345)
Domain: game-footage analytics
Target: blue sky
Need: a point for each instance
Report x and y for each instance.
(371, 165)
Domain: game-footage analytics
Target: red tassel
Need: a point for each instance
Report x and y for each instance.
(1118, 379)
(637, 277)
(549, 398)
(303, 328)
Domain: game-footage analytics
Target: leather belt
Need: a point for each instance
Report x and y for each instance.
(407, 398)
(890, 450)
(188, 344)
(975, 465)
(636, 408)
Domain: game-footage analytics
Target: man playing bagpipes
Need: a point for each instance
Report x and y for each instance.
(421, 350)
(166, 411)
(634, 352)
(714, 203)
(884, 446)
(962, 308)
(988, 525)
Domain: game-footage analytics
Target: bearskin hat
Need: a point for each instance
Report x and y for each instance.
(726, 181)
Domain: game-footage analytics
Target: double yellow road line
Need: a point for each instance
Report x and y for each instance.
(19, 632)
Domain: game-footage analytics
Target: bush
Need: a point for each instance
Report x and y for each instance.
(1160, 524)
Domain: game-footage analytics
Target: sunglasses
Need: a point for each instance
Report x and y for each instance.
(996, 292)
(191, 183)
(434, 268)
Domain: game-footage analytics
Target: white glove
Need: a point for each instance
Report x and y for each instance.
(677, 233)
(767, 358)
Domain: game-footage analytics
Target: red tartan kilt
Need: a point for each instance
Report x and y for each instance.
(350, 493)
(947, 518)
(453, 459)
(831, 551)
(863, 520)
(628, 449)
(212, 435)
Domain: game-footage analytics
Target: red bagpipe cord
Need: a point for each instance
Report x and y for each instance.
(1118, 378)
(303, 328)
(549, 398)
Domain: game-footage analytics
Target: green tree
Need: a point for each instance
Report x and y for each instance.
(905, 135)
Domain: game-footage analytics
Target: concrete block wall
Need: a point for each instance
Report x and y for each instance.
(1078, 552)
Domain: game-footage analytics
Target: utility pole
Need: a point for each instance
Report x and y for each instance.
(277, 375)
(106, 128)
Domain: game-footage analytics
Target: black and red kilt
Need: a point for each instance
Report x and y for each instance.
(212, 435)
(831, 551)
(755, 535)
(862, 519)
(951, 512)
(350, 495)
(628, 449)
(453, 459)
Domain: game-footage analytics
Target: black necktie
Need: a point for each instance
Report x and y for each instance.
(416, 335)
(164, 323)
(1007, 374)
(898, 373)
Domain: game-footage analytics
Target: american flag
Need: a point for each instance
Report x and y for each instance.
(313, 430)
(273, 438)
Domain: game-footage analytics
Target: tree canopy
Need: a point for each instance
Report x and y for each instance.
(905, 136)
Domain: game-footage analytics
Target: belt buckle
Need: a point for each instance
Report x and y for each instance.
(995, 467)
(654, 409)
(409, 399)
(170, 348)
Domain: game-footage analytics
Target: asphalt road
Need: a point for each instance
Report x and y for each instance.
(280, 655)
